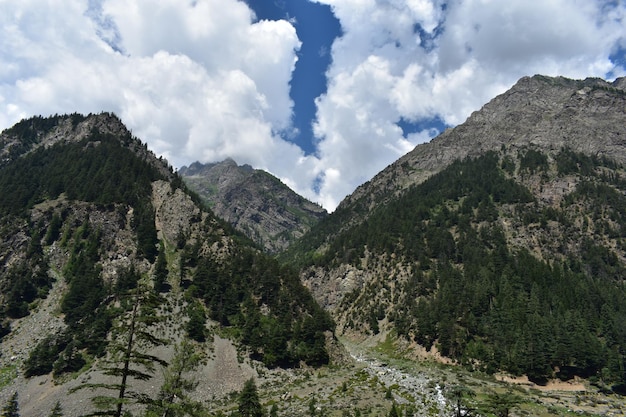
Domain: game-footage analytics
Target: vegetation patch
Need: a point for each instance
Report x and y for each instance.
(7, 375)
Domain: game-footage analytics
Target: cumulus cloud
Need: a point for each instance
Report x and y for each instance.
(195, 80)
(205, 79)
(417, 60)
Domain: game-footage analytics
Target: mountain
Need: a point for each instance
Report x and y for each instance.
(255, 202)
(499, 245)
(494, 253)
(114, 280)
(541, 112)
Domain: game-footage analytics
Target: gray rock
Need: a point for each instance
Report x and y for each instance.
(255, 202)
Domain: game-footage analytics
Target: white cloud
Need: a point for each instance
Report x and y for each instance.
(204, 80)
(416, 59)
(196, 80)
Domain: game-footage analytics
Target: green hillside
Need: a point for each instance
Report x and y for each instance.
(476, 263)
(77, 201)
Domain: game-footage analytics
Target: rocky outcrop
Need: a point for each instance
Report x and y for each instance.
(175, 212)
(255, 202)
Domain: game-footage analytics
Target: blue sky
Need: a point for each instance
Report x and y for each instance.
(316, 27)
(322, 93)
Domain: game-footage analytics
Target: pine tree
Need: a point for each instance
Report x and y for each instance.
(57, 411)
(249, 404)
(173, 400)
(195, 327)
(11, 409)
(126, 359)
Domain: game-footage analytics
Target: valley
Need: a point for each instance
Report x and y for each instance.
(481, 274)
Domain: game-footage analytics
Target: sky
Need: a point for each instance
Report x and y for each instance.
(321, 93)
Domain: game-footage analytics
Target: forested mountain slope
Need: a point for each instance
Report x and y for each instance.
(136, 269)
(501, 243)
(255, 202)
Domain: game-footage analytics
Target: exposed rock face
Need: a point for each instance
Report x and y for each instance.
(47, 236)
(256, 203)
(545, 113)
(175, 213)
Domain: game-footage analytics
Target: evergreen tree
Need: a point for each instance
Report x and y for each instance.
(11, 409)
(249, 404)
(501, 404)
(127, 359)
(143, 223)
(173, 399)
(57, 411)
(195, 327)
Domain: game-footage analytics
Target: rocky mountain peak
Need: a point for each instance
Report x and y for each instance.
(255, 202)
(537, 112)
(36, 132)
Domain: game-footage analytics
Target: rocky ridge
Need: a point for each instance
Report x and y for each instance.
(255, 202)
(31, 134)
(537, 112)
(221, 372)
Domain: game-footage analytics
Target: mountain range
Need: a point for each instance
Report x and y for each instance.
(498, 247)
